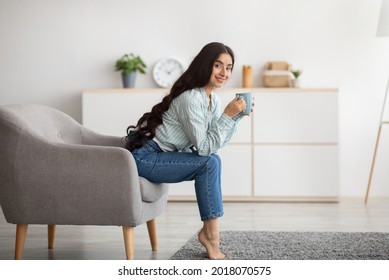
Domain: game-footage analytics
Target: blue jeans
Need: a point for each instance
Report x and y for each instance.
(158, 166)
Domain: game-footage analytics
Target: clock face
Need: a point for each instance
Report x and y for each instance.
(167, 71)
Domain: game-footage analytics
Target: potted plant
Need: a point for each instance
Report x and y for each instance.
(130, 64)
(296, 74)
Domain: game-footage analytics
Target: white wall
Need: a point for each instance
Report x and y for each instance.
(51, 49)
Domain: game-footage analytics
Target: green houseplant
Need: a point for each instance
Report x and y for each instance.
(296, 74)
(129, 65)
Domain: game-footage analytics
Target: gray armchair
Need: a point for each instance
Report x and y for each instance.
(54, 171)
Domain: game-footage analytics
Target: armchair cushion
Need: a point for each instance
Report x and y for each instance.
(149, 192)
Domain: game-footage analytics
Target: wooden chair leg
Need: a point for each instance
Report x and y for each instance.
(128, 233)
(51, 235)
(21, 232)
(152, 228)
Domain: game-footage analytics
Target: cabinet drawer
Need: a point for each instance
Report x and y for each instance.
(296, 170)
(295, 117)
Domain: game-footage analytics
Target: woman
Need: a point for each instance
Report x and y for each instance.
(178, 140)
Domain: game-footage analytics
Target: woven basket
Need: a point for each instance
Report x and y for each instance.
(277, 74)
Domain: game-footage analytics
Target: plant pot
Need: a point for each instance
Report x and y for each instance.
(129, 80)
(296, 83)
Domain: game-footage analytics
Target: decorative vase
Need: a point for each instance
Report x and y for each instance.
(247, 76)
(129, 80)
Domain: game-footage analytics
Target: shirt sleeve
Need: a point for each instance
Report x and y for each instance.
(216, 115)
(207, 137)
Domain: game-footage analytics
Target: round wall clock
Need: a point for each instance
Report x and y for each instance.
(167, 71)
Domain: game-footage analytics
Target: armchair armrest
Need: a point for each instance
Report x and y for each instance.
(90, 137)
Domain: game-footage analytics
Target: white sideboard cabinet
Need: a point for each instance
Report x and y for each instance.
(287, 150)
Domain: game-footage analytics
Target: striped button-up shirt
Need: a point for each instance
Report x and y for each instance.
(192, 121)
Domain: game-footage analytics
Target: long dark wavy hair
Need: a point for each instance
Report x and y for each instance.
(196, 76)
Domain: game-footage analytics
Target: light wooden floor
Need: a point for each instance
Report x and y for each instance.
(180, 222)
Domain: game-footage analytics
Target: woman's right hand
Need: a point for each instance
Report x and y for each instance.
(236, 106)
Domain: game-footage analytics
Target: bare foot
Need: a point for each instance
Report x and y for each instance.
(211, 244)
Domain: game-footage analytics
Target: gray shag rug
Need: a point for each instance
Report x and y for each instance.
(264, 245)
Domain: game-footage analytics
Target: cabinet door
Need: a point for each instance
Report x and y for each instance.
(296, 170)
(236, 170)
(112, 113)
(296, 117)
(243, 131)
(236, 174)
(183, 189)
